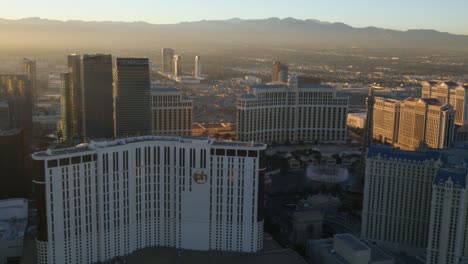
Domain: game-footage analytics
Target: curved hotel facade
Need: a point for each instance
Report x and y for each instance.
(111, 198)
(292, 113)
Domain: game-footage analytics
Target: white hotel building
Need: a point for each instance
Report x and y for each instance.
(111, 198)
(292, 113)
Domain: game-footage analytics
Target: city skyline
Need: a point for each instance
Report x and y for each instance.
(360, 13)
(229, 132)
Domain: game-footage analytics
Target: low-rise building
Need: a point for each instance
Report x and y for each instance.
(357, 120)
(214, 129)
(46, 124)
(13, 223)
(4, 115)
(318, 202)
(346, 249)
(305, 225)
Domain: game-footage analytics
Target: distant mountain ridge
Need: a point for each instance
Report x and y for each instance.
(235, 32)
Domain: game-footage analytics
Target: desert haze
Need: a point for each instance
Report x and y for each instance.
(233, 33)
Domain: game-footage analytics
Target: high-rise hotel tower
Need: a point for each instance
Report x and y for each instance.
(171, 112)
(198, 67)
(97, 96)
(292, 113)
(398, 189)
(132, 113)
(426, 121)
(448, 230)
(167, 54)
(110, 198)
(451, 93)
(76, 100)
(177, 65)
(386, 120)
(280, 72)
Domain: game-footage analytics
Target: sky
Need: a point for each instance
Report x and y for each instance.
(443, 15)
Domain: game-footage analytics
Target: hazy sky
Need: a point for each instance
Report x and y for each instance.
(443, 15)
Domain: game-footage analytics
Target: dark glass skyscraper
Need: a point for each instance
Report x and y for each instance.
(16, 181)
(15, 137)
(132, 114)
(98, 117)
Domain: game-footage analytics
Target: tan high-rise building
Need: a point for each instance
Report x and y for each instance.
(386, 120)
(426, 121)
(280, 72)
(451, 93)
(459, 101)
(198, 67)
(176, 65)
(171, 112)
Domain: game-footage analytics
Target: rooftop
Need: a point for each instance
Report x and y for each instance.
(248, 96)
(387, 100)
(10, 132)
(272, 254)
(300, 86)
(352, 242)
(326, 247)
(377, 254)
(19, 75)
(450, 83)
(431, 82)
(103, 143)
(432, 101)
(458, 177)
(95, 55)
(314, 86)
(362, 115)
(162, 90)
(392, 153)
(270, 86)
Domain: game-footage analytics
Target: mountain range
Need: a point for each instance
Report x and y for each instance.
(217, 34)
